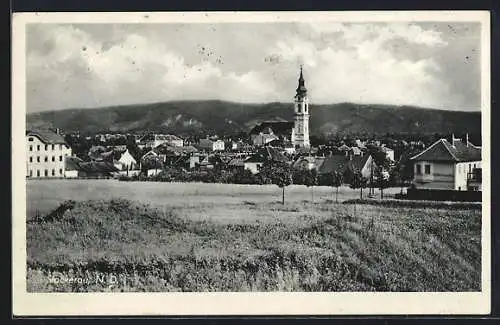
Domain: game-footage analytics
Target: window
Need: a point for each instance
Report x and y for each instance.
(60, 147)
(31, 159)
(53, 147)
(474, 166)
(60, 158)
(37, 173)
(470, 168)
(53, 172)
(60, 171)
(427, 169)
(419, 170)
(46, 147)
(46, 159)
(46, 172)
(37, 147)
(31, 148)
(31, 173)
(30, 139)
(37, 159)
(53, 158)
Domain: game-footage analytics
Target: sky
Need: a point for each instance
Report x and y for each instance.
(434, 65)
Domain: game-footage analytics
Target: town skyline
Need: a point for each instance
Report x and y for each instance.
(433, 65)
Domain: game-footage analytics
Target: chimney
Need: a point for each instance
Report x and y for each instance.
(467, 139)
(453, 140)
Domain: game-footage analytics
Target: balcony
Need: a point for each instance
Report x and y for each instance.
(475, 176)
(474, 179)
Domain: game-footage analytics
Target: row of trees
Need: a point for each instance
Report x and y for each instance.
(278, 173)
(282, 175)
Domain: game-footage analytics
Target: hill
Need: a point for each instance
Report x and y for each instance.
(201, 117)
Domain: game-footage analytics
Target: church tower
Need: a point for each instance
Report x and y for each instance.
(300, 134)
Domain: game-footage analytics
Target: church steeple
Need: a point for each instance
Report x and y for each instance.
(301, 88)
(300, 133)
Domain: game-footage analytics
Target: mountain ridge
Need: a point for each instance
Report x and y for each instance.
(221, 117)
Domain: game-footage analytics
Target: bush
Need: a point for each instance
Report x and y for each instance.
(416, 204)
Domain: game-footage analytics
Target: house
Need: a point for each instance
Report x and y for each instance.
(343, 163)
(123, 160)
(265, 154)
(389, 153)
(153, 140)
(285, 145)
(45, 152)
(308, 162)
(268, 131)
(448, 165)
(119, 156)
(355, 151)
(237, 163)
(170, 154)
(208, 162)
(211, 145)
(360, 144)
(187, 161)
(97, 169)
(152, 163)
(72, 166)
(343, 149)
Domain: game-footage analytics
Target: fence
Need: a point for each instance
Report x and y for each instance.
(441, 195)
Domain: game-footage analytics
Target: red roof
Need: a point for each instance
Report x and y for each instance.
(442, 150)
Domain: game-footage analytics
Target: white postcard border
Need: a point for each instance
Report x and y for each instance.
(257, 303)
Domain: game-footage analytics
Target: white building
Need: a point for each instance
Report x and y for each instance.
(46, 152)
(125, 161)
(448, 166)
(212, 145)
(154, 140)
(300, 133)
(389, 153)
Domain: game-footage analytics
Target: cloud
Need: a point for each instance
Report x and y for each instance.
(135, 70)
(366, 71)
(402, 64)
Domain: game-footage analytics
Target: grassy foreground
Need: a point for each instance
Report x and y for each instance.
(119, 245)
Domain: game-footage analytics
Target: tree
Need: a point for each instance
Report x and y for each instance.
(277, 173)
(152, 162)
(311, 179)
(337, 180)
(358, 181)
(379, 160)
(381, 179)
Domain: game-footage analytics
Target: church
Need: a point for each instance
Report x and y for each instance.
(294, 133)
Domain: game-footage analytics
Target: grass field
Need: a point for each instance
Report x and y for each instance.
(45, 195)
(211, 237)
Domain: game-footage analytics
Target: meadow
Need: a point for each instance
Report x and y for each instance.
(223, 237)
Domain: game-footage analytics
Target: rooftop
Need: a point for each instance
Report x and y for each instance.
(46, 136)
(443, 150)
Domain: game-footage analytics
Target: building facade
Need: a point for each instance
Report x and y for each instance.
(46, 152)
(155, 140)
(211, 145)
(448, 165)
(300, 133)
